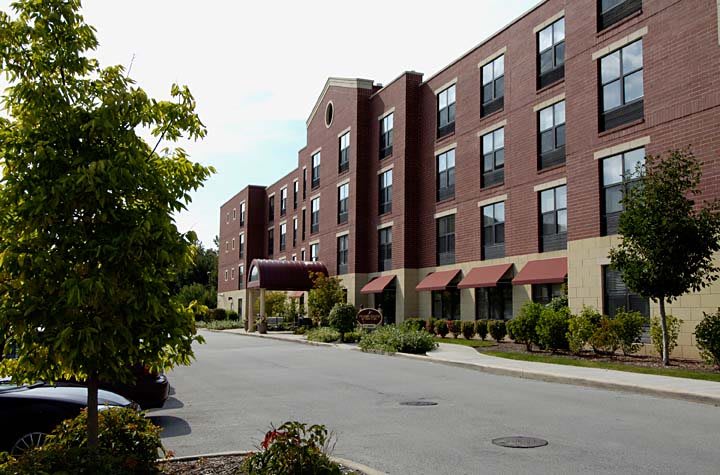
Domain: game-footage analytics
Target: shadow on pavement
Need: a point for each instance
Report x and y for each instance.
(173, 403)
(171, 392)
(171, 426)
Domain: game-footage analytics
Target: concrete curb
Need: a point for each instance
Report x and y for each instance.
(536, 375)
(345, 462)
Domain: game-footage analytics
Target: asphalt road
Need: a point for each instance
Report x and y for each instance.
(239, 385)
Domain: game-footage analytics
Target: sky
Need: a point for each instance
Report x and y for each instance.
(257, 68)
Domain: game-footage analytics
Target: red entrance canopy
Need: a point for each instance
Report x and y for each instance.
(547, 271)
(437, 280)
(484, 276)
(377, 285)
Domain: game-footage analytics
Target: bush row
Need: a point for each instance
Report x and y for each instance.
(392, 339)
(467, 328)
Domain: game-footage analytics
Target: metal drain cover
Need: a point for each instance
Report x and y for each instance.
(418, 403)
(520, 442)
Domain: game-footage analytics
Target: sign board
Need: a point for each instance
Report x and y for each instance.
(369, 318)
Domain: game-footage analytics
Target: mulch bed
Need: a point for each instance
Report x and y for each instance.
(632, 360)
(221, 465)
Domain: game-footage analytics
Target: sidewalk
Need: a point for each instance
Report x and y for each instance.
(694, 390)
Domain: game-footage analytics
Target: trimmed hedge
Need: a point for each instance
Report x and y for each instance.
(481, 329)
(468, 329)
(552, 328)
(707, 335)
(497, 329)
(323, 335)
(454, 327)
(392, 339)
(441, 328)
(523, 326)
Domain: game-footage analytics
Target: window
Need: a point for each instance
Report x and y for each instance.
(283, 201)
(234, 213)
(294, 257)
(446, 112)
(385, 205)
(314, 252)
(446, 240)
(446, 303)
(552, 135)
(617, 296)
(242, 213)
(343, 193)
(315, 170)
(494, 231)
(493, 86)
(227, 246)
(314, 215)
(304, 182)
(242, 246)
(271, 241)
(303, 224)
(553, 210)
(271, 208)
(551, 54)
(344, 158)
(493, 150)
(295, 194)
(446, 175)
(232, 274)
(619, 173)
(302, 255)
(544, 293)
(385, 249)
(254, 274)
(295, 229)
(386, 136)
(343, 242)
(226, 275)
(612, 11)
(283, 236)
(494, 303)
(241, 279)
(227, 217)
(233, 244)
(621, 76)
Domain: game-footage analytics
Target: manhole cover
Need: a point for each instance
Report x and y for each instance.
(519, 442)
(418, 403)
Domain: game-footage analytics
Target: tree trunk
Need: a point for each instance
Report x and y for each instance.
(663, 324)
(92, 411)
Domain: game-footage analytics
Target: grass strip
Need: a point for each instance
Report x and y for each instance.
(464, 342)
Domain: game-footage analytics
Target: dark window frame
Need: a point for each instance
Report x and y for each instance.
(343, 247)
(494, 303)
(544, 293)
(271, 241)
(445, 238)
(315, 175)
(555, 156)
(344, 153)
(445, 175)
(608, 17)
(617, 295)
(241, 246)
(492, 86)
(556, 53)
(446, 113)
(556, 240)
(283, 237)
(295, 231)
(315, 247)
(446, 303)
(385, 249)
(314, 216)
(304, 218)
(283, 201)
(385, 192)
(495, 174)
(271, 208)
(304, 190)
(610, 220)
(242, 214)
(387, 125)
(493, 233)
(343, 204)
(626, 111)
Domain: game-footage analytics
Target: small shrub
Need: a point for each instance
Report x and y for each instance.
(454, 327)
(441, 328)
(525, 323)
(481, 329)
(468, 329)
(629, 327)
(392, 339)
(299, 330)
(558, 303)
(232, 315)
(323, 335)
(223, 324)
(128, 443)
(673, 331)
(707, 335)
(342, 318)
(353, 336)
(497, 329)
(293, 448)
(605, 339)
(430, 326)
(413, 324)
(552, 328)
(581, 328)
(216, 314)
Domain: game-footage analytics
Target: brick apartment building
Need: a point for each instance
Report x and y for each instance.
(497, 179)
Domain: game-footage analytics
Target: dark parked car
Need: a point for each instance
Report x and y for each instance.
(29, 413)
(150, 389)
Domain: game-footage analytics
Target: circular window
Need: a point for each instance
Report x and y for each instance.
(329, 112)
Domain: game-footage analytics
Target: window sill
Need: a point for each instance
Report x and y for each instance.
(612, 28)
(493, 186)
(445, 200)
(549, 169)
(491, 114)
(557, 83)
(445, 137)
(621, 127)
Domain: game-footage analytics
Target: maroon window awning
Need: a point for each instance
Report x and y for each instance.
(547, 271)
(377, 285)
(484, 276)
(437, 280)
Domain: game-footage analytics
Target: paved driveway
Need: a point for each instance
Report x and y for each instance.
(239, 385)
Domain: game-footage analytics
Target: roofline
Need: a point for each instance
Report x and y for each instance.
(484, 42)
(352, 83)
(247, 187)
(400, 76)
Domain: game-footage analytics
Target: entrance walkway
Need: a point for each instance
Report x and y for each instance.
(707, 392)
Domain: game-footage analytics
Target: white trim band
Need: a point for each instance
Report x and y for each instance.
(343, 233)
(620, 148)
(492, 57)
(625, 40)
(492, 201)
(549, 21)
(385, 169)
(492, 128)
(446, 148)
(447, 212)
(550, 184)
(440, 89)
(388, 224)
(386, 113)
(549, 102)
(344, 132)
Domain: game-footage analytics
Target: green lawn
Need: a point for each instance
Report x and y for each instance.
(558, 359)
(464, 342)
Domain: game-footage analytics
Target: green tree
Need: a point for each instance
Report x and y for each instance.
(325, 294)
(89, 249)
(668, 240)
(275, 303)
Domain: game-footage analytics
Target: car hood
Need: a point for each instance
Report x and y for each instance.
(77, 395)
